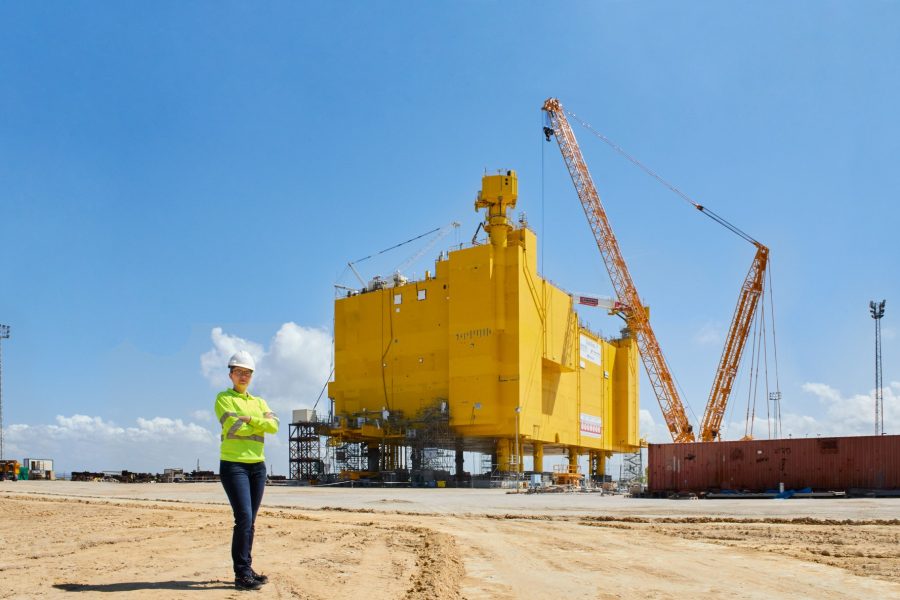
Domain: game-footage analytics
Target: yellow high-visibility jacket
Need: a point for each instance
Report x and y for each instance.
(243, 442)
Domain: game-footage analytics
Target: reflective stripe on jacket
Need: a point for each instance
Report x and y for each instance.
(243, 442)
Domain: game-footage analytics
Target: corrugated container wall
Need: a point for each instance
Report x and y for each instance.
(824, 464)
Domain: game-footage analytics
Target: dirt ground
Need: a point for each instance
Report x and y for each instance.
(100, 540)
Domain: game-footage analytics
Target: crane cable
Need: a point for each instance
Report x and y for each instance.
(395, 246)
(327, 380)
(762, 315)
(718, 219)
(418, 237)
(709, 213)
(777, 408)
(751, 394)
(646, 169)
(543, 219)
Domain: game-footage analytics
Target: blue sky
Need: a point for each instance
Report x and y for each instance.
(180, 180)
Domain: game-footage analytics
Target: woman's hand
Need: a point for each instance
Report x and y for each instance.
(245, 419)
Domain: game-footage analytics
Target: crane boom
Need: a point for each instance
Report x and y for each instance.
(441, 234)
(748, 300)
(636, 314)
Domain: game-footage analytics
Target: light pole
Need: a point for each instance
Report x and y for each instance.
(4, 334)
(876, 309)
(518, 458)
(775, 399)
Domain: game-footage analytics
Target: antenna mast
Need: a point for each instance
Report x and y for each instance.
(4, 334)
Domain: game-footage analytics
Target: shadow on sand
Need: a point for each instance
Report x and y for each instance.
(134, 586)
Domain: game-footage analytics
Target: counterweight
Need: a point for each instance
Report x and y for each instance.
(635, 314)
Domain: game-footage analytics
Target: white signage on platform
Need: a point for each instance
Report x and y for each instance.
(590, 350)
(591, 426)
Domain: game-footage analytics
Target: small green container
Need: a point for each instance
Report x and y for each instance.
(23, 474)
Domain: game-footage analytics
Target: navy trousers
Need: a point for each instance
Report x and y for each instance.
(244, 484)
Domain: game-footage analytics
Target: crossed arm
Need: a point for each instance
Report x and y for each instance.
(246, 424)
(268, 424)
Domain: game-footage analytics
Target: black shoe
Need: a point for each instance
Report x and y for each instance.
(246, 582)
(258, 578)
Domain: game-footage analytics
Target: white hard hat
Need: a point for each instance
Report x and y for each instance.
(243, 359)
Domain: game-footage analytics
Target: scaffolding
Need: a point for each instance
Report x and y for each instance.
(632, 472)
(432, 444)
(386, 446)
(485, 464)
(351, 459)
(305, 451)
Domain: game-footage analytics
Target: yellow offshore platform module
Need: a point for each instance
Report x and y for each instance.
(483, 355)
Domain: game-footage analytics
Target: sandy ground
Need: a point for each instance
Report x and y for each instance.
(83, 540)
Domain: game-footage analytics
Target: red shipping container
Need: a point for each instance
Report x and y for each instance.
(823, 464)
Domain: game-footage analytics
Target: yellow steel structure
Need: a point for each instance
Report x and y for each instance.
(495, 345)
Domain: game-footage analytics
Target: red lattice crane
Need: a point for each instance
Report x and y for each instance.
(635, 313)
(657, 370)
(744, 313)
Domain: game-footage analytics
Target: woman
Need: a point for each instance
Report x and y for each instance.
(245, 420)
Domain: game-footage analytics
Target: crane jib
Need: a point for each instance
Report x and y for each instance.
(657, 370)
(626, 292)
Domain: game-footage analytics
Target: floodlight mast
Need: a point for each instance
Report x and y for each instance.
(4, 334)
(876, 309)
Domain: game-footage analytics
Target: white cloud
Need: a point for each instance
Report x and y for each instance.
(202, 415)
(653, 432)
(839, 416)
(763, 428)
(82, 442)
(824, 392)
(849, 415)
(213, 363)
(708, 334)
(289, 375)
